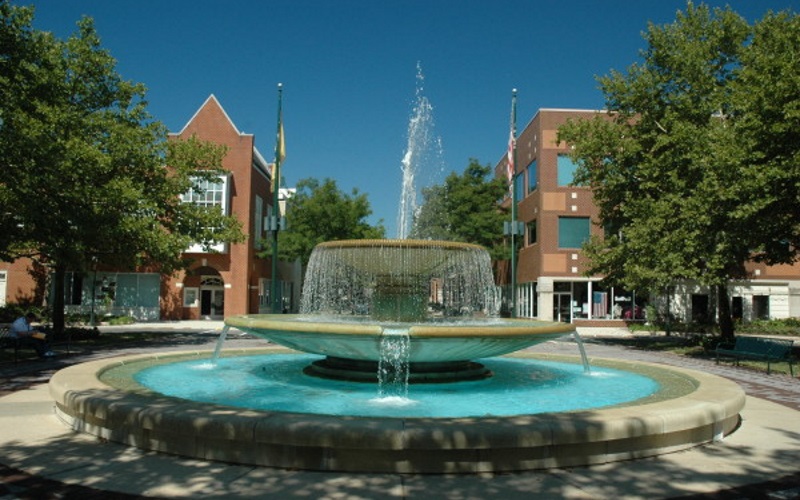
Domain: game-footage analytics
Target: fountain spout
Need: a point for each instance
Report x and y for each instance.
(220, 340)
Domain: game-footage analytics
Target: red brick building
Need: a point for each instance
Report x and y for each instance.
(235, 280)
(559, 217)
(231, 280)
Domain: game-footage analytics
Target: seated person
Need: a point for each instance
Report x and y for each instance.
(22, 330)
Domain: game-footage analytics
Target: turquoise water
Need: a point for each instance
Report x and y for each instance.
(275, 382)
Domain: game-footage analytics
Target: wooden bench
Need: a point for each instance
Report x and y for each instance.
(760, 349)
(7, 341)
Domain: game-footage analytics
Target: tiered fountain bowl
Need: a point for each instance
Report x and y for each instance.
(440, 294)
(440, 297)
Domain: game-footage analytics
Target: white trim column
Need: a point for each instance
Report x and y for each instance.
(545, 291)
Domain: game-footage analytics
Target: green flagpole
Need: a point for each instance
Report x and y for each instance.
(514, 225)
(276, 215)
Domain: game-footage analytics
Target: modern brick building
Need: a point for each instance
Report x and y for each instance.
(559, 217)
(231, 280)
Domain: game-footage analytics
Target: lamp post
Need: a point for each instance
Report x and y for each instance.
(94, 290)
(275, 220)
(515, 227)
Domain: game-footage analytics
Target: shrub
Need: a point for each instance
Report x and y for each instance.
(120, 320)
(785, 326)
(12, 311)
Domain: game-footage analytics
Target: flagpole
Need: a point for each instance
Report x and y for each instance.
(276, 209)
(514, 225)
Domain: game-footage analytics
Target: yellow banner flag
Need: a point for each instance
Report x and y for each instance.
(280, 152)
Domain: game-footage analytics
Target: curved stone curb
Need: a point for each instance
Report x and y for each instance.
(448, 445)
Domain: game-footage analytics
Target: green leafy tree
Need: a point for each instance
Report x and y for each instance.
(83, 167)
(464, 209)
(320, 212)
(695, 169)
(432, 220)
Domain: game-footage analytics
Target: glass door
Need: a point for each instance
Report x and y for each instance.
(562, 307)
(212, 303)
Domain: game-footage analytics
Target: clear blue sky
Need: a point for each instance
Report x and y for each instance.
(348, 69)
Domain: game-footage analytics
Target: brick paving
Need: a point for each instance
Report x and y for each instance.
(778, 388)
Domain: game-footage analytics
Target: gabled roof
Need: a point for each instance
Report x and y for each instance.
(211, 101)
(258, 160)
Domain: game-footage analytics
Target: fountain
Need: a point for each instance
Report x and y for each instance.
(415, 299)
(439, 295)
(405, 367)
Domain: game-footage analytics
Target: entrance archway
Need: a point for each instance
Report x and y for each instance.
(212, 292)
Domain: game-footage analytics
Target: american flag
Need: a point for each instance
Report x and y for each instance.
(510, 161)
(599, 304)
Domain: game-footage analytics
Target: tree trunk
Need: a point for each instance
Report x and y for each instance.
(668, 316)
(59, 275)
(724, 313)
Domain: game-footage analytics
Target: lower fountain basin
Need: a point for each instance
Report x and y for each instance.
(692, 408)
(278, 382)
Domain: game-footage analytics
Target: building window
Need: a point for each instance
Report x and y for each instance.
(580, 300)
(211, 281)
(264, 287)
(566, 170)
(190, 297)
(73, 284)
(527, 301)
(285, 294)
(533, 175)
(208, 193)
(573, 231)
(132, 294)
(519, 186)
(600, 303)
(530, 233)
(760, 307)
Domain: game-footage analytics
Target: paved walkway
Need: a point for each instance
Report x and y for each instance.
(40, 458)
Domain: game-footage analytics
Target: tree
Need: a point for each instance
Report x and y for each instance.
(84, 176)
(320, 212)
(432, 220)
(695, 168)
(464, 209)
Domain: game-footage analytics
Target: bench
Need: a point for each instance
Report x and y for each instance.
(7, 341)
(759, 348)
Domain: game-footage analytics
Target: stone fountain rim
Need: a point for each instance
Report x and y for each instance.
(289, 323)
(400, 243)
(404, 445)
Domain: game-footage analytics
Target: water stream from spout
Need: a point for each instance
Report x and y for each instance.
(220, 341)
(584, 358)
(393, 365)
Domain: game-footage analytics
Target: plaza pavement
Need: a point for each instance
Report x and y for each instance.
(40, 458)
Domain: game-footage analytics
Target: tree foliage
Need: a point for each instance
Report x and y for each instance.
(320, 212)
(83, 176)
(464, 209)
(695, 169)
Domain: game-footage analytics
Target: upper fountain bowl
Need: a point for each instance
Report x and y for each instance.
(386, 255)
(400, 280)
